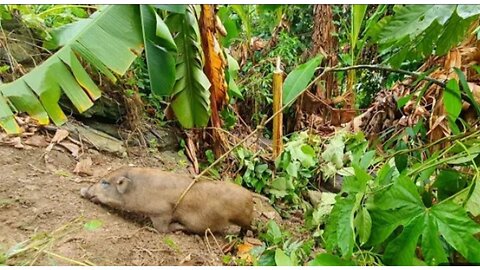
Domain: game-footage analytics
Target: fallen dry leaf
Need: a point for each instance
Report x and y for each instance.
(37, 141)
(60, 135)
(84, 167)
(73, 148)
(243, 252)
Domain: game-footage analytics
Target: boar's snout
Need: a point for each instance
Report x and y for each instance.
(84, 192)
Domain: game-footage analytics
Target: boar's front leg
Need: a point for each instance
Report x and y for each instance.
(161, 223)
(175, 226)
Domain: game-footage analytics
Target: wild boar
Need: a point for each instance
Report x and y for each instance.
(208, 204)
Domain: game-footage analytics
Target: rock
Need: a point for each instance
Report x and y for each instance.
(314, 196)
(166, 139)
(98, 139)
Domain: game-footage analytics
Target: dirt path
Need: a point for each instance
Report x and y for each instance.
(42, 204)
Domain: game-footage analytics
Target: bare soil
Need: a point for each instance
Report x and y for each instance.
(40, 203)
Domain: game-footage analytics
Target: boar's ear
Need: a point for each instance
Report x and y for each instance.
(122, 184)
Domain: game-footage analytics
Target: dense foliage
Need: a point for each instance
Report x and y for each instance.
(405, 200)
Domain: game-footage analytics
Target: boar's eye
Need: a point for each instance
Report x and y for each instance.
(104, 183)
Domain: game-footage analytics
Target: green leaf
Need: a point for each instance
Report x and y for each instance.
(243, 13)
(110, 39)
(24, 100)
(403, 195)
(402, 205)
(172, 8)
(466, 89)
(281, 259)
(358, 13)
(298, 79)
(401, 250)
(411, 20)
(473, 203)
(230, 24)
(403, 100)
(363, 223)
(458, 229)
(466, 11)
(339, 229)
(432, 248)
(453, 32)
(326, 259)
(401, 162)
(159, 50)
(190, 95)
(93, 224)
(448, 183)
(274, 234)
(7, 120)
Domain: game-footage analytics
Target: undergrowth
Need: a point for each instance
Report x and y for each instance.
(397, 206)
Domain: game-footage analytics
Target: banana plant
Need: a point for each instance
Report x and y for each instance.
(110, 40)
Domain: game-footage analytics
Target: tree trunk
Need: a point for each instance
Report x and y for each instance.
(215, 70)
(324, 42)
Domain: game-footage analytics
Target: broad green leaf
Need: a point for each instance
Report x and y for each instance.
(242, 11)
(93, 224)
(339, 229)
(401, 162)
(401, 205)
(411, 20)
(24, 100)
(458, 229)
(403, 194)
(466, 11)
(367, 159)
(473, 203)
(281, 259)
(453, 32)
(233, 68)
(357, 183)
(48, 90)
(363, 223)
(384, 175)
(432, 248)
(401, 250)
(230, 24)
(448, 183)
(190, 95)
(274, 233)
(71, 87)
(358, 13)
(326, 259)
(159, 49)
(82, 77)
(299, 78)
(176, 8)
(466, 89)
(110, 39)
(374, 19)
(7, 120)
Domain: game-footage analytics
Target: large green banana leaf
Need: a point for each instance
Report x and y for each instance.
(109, 41)
(190, 96)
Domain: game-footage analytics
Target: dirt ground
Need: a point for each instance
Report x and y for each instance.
(40, 203)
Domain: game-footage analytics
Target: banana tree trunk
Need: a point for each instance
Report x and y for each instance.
(215, 70)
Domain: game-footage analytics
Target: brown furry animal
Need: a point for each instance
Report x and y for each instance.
(208, 204)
